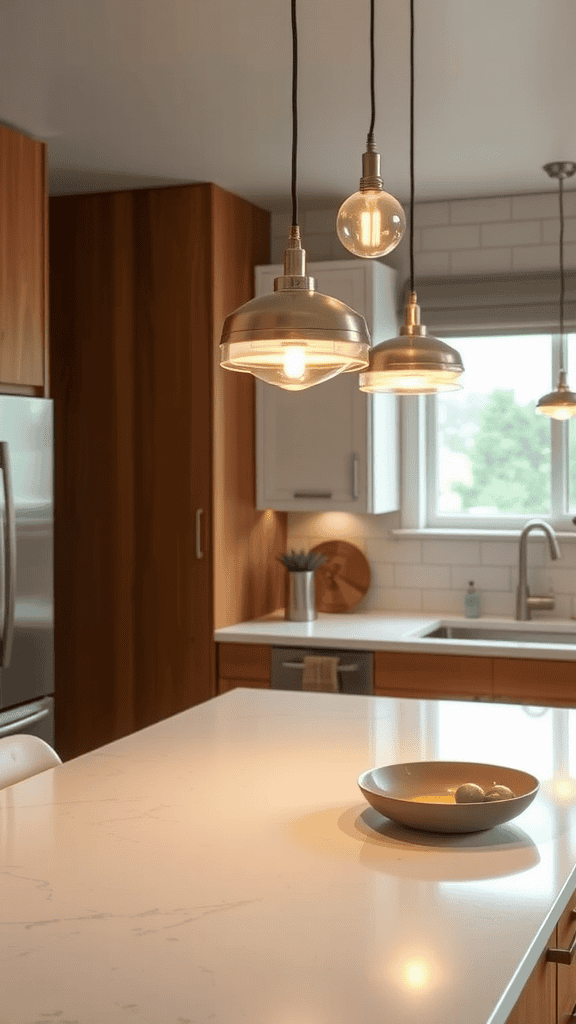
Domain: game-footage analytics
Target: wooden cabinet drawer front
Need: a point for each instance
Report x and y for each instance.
(566, 976)
(230, 684)
(244, 661)
(428, 675)
(524, 679)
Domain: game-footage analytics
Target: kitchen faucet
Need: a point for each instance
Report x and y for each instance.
(524, 602)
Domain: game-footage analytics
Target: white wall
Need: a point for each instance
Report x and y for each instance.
(463, 236)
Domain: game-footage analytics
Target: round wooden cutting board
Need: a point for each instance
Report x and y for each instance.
(343, 579)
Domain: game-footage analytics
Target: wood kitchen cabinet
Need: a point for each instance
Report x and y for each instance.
(157, 540)
(332, 446)
(243, 665)
(398, 674)
(23, 265)
(537, 1002)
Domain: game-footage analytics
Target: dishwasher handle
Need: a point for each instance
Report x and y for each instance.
(300, 664)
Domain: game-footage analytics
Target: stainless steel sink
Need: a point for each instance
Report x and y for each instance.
(494, 634)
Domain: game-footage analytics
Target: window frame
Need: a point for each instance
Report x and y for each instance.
(418, 461)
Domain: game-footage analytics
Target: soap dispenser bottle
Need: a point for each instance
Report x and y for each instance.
(471, 602)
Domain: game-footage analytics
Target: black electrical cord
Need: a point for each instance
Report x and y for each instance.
(370, 140)
(562, 283)
(294, 113)
(411, 145)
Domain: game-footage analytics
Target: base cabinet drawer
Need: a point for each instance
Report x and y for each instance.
(398, 674)
(525, 679)
(566, 973)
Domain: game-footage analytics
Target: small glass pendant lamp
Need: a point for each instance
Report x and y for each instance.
(294, 337)
(560, 404)
(371, 222)
(414, 363)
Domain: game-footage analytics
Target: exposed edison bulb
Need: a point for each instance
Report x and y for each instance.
(295, 362)
(370, 223)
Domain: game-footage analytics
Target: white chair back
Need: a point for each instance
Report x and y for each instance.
(22, 756)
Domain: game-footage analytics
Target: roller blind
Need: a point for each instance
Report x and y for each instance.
(507, 302)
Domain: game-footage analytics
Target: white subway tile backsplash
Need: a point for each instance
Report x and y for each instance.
(454, 237)
(551, 230)
(428, 576)
(562, 607)
(432, 264)
(563, 581)
(382, 575)
(525, 232)
(431, 214)
(485, 577)
(394, 551)
(535, 257)
(543, 204)
(451, 552)
(501, 552)
(474, 211)
(442, 601)
(496, 602)
(400, 599)
(480, 261)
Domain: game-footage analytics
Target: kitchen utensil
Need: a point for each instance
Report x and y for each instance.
(343, 579)
(391, 791)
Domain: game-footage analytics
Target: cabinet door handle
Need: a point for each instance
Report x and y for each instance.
(563, 956)
(312, 494)
(199, 552)
(355, 476)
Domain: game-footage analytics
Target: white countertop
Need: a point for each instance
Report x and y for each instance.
(222, 866)
(399, 631)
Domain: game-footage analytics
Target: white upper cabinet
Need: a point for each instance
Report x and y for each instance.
(332, 446)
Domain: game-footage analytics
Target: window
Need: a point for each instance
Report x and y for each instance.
(490, 461)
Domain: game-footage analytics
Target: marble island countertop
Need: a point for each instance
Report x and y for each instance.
(401, 631)
(222, 867)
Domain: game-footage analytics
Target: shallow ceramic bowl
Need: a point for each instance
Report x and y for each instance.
(391, 791)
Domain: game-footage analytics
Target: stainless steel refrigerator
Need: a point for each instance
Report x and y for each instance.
(26, 568)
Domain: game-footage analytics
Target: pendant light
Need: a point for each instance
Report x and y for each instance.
(413, 363)
(294, 337)
(371, 222)
(561, 403)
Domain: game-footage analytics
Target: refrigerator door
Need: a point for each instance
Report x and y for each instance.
(26, 429)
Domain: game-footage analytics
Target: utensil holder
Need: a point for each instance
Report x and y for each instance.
(301, 603)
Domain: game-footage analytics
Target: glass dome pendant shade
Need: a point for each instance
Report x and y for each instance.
(371, 222)
(413, 363)
(294, 337)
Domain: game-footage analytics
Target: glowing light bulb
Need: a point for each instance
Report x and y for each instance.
(416, 973)
(295, 362)
(558, 412)
(370, 223)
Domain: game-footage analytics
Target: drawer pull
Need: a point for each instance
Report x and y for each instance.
(300, 664)
(563, 956)
(312, 495)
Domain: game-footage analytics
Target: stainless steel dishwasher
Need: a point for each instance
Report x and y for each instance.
(355, 669)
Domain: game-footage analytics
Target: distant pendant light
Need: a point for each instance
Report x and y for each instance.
(371, 222)
(294, 337)
(413, 363)
(560, 404)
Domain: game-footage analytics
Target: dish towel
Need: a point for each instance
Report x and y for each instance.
(320, 673)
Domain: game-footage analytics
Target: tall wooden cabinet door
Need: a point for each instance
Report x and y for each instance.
(566, 974)
(315, 447)
(23, 278)
(173, 424)
(537, 1002)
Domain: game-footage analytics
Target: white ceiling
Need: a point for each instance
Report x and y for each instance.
(136, 92)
